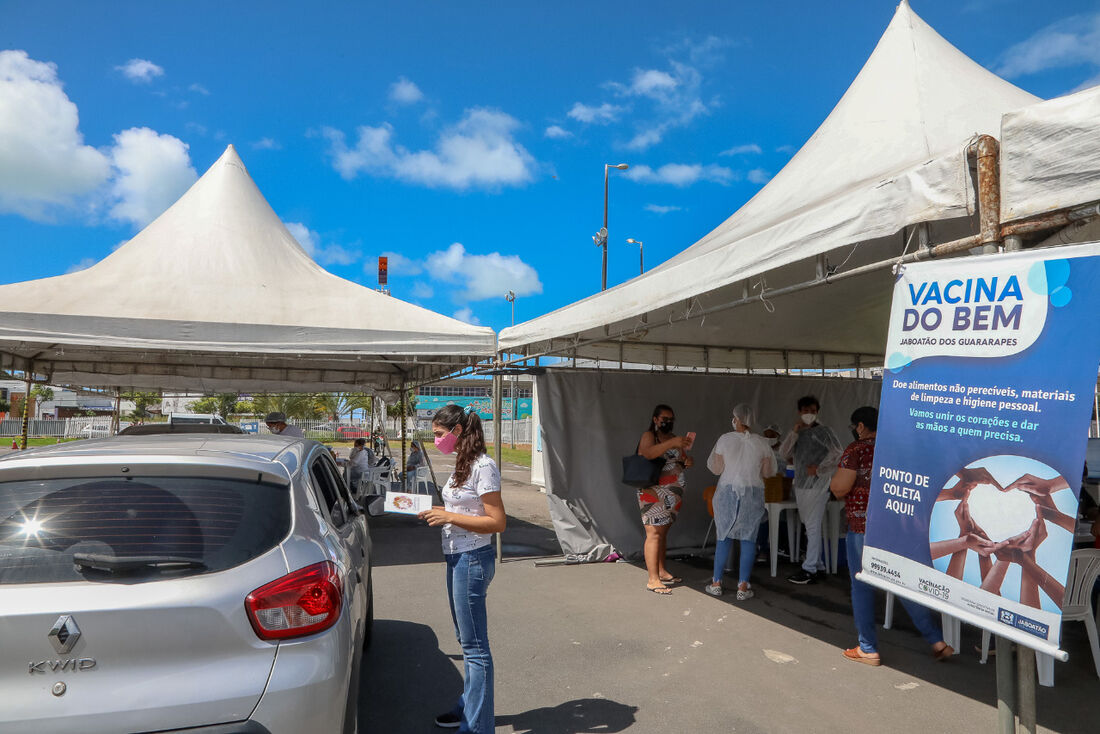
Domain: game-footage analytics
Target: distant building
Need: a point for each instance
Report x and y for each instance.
(476, 392)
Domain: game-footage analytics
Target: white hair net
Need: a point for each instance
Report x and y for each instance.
(773, 427)
(743, 413)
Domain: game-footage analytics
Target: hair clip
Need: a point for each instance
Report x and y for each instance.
(468, 409)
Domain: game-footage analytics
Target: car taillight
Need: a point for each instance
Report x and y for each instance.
(301, 603)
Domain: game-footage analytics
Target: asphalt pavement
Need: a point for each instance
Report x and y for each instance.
(585, 648)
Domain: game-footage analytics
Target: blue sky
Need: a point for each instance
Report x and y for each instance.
(464, 140)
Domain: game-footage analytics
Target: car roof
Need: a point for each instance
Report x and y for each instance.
(271, 455)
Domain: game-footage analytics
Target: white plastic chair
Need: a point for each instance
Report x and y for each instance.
(419, 479)
(1084, 569)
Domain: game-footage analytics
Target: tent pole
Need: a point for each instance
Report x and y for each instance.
(116, 418)
(498, 424)
(26, 415)
(404, 400)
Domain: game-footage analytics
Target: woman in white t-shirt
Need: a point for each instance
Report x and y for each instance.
(472, 511)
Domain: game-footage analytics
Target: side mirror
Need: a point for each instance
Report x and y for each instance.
(375, 506)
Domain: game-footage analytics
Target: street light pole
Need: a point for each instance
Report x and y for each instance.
(511, 298)
(600, 238)
(641, 255)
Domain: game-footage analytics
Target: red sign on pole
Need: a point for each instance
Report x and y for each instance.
(383, 270)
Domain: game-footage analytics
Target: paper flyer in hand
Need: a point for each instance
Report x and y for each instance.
(406, 503)
(986, 400)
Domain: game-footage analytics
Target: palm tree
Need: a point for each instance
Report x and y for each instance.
(298, 405)
(335, 405)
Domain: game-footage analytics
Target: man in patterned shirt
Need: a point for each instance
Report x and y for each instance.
(852, 482)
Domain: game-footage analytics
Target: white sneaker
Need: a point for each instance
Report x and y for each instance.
(743, 594)
(714, 589)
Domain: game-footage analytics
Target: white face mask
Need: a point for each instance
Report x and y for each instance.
(809, 418)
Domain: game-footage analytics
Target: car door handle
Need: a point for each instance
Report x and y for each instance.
(358, 578)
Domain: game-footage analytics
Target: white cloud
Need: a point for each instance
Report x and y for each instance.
(602, 115)
(467, 314)
(681, 174)
(482, 276)
(674, 94)
(404, 91)
(267, 144)
(788, 149)
(199, 89)
(1072, 41)
(400, 265)
(82, 265)
(652, 83)
(422, 290)
(556, 132)
(44, 164)
(758, 176)
(750, 148)
(478, 152)
(660, 209)
(140, 71)
(152, 171)
(310, 241)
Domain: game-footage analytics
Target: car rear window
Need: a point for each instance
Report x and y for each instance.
(218, 523)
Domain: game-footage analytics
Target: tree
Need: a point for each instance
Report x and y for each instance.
(335, 405)
(141, 401)
(222, 404)
(5, 406)
(394, 410)
(41, 394)
(294, 405)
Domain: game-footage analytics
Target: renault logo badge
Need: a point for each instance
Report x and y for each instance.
(64, 634)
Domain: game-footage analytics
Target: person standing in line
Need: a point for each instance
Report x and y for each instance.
(742, 460)
(276, 423)
(814, 450)
(852, 483)
(472, 511)
(660, 503)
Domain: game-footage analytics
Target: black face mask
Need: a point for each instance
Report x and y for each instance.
(665, 426)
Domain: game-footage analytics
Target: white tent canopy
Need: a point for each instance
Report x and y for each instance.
(891, 154)
(217, 295)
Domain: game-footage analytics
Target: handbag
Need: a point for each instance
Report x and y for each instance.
(638, 471)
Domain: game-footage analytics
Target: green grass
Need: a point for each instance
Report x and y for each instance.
(44, 441)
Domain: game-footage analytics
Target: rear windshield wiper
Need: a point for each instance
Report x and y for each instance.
(103, 562)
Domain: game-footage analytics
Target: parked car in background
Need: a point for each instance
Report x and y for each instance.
(192, 583)
(350, 433)
(195, 418)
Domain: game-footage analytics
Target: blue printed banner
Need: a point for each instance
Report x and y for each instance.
(986, 402)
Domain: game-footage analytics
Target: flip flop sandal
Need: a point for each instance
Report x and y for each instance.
(660, 590)
(671, 581)
(856, 655)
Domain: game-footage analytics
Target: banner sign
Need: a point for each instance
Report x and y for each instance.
(991, 364)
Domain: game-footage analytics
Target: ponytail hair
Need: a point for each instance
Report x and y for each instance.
(471, 442)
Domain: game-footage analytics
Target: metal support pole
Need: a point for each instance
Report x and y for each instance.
(603, 279)
(498, 424)
(26, 414)
(404, 400)
(116, 418)
(987, 151)
(1006, 688)
(1026, 680)
(515, 406)
(1014, 243)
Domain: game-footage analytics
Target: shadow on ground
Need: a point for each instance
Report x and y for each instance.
(406, 680)
(582, 716)
(824, 611)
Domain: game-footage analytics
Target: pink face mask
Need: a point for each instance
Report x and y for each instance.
(446, 442)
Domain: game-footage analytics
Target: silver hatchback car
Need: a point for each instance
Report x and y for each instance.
(211, 583)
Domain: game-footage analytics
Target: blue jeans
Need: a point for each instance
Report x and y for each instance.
(863, 603)
(722, 555)
(468, 576)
